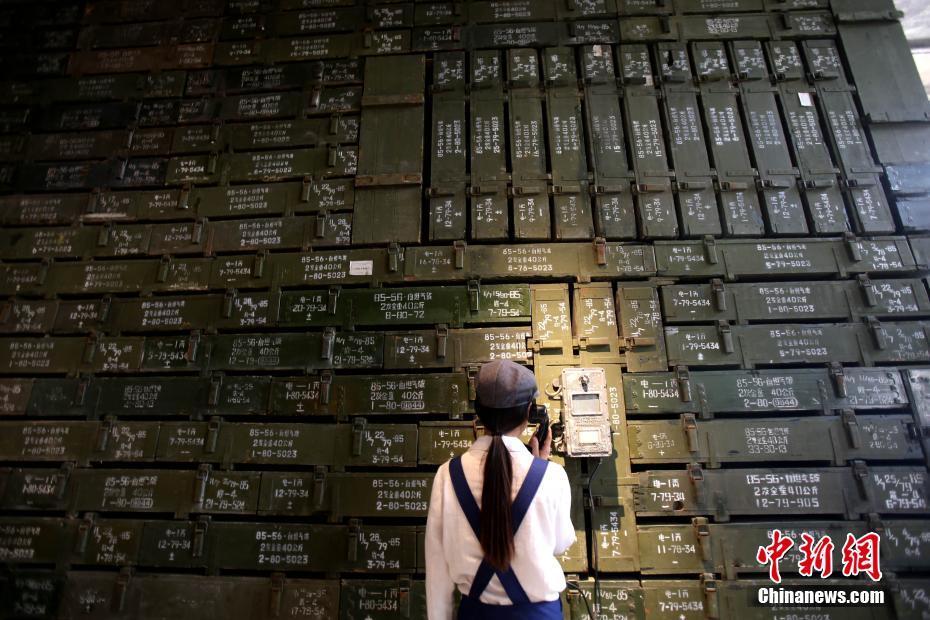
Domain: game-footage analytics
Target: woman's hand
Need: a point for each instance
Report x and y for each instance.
(546, 447)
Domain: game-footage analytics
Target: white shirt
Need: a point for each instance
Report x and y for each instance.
(453, 552)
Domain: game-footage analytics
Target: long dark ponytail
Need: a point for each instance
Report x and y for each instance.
(496, 534)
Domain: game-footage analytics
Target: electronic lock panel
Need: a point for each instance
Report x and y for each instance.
(584, 413)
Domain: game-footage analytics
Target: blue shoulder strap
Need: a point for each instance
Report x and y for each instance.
(521, 505)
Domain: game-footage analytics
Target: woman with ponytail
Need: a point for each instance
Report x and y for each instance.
(499, 514)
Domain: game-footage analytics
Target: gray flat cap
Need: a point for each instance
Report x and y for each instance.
(503, 384)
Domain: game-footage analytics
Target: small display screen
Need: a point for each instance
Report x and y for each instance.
(586, 404)
(590, 436)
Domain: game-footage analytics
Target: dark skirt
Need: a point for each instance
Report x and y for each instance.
(474, 609)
